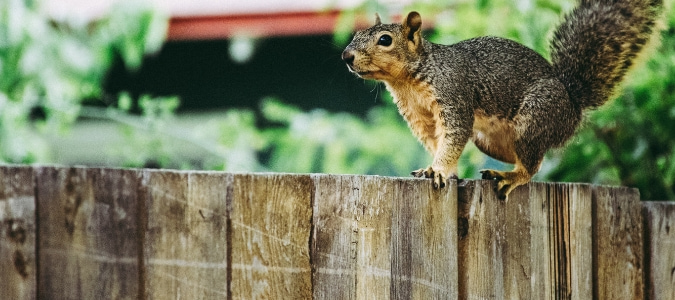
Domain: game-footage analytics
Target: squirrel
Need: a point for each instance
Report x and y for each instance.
(506, 98)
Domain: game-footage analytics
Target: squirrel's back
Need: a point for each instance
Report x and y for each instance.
(500, 71)
(597, 43)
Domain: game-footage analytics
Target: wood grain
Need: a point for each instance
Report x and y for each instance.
(659, 226)
(17, 233)
(270, 230)
(351, 237)
(617, 244)
(534, 245)
(423, 241)
(185, 248)
(92, 233)
(480, 241)
(87, 233)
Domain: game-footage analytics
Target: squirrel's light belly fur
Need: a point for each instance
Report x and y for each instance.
(506, 98)
(417, 104)
(492, 135)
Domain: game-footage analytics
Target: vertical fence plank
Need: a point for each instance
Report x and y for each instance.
(480, 262)
(186, 236)
(515, 242)
(270, 233)
(542, 275)
(372, 237)
(334, 248)
(581, 243)
(352, 232)
(559, 253)
(87, 233)
(617, 236)
(659, 225)
(424, 241)
(17, 233)
(570, 224)
(509, 241)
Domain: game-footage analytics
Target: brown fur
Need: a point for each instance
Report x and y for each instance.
(506, 98)
(417, 104)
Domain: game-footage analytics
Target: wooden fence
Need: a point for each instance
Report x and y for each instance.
(88, 233)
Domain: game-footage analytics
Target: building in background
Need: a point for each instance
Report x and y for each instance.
(222, 54)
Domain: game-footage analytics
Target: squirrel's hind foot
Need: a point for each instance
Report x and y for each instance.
(506, 181)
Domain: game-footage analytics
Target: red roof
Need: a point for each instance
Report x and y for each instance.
(218, 27)
(210, 19)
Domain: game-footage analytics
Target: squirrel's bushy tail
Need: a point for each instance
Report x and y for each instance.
(596, 44)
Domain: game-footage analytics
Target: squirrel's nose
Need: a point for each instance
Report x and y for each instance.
(348, 57)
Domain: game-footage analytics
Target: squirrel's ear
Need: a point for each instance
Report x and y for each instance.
(377, 19)
(412, 26)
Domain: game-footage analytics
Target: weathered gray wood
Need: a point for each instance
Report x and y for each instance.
(351, 237)
(515, 240)
(381, 236)
(17, 233)
(570, 240)
(659, 226)
(480, 241)
(581, 242)
(185, 248)
(504, 245)
(87, 233)
(617, 237)
(423, 241)
(528, 247)
(542, 266)
(270, 221)
(334, 245)
(372, 230)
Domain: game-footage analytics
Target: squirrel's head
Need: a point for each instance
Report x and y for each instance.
(385, 51)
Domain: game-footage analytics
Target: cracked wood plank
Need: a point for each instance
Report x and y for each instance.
(424, 240)
(378, 237)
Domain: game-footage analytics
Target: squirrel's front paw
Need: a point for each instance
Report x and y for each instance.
(438, 177)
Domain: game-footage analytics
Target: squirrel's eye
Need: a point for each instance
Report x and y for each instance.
(385, 40)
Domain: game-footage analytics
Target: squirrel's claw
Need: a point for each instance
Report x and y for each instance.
(422, 173)
(506, 181)
(438, 178)
(491, 175)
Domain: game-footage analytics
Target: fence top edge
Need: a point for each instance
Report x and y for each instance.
(460, 183)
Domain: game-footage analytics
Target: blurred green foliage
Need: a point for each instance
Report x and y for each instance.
(49, 69)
